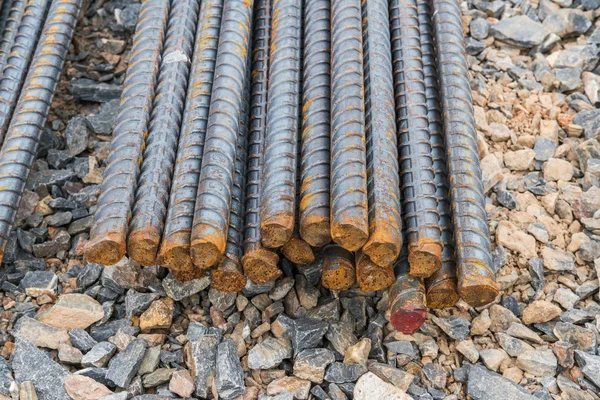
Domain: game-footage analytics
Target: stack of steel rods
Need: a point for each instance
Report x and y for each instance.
(254, 130)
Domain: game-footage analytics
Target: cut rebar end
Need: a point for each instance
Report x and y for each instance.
(480, 294)
(338, 272)
(175, 256)
(188, 274)
(207, 250)
(349, 236)
(316, 231)
(108, 250)
(276, 231)
(442, 294)
(383, 247)
(408, 320)
(229, 277)
(425, 259)
(142, 247)
(298, 251)
(372, 277)
(260, 266)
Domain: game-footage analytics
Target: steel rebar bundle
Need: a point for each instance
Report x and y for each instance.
(213, 200)
(278, 188)
(316, 116)
(10, 30)
(349, 203)
(5, 8)
(111, 219)
(175, 248)
(260, 264)
(18, 61)
(23, 135)
(152, 195)
(476, 284)
(416, 164)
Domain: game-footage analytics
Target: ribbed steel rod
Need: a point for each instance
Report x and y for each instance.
(260, 264)
(10, 30)
(316, 125)
(19, 59)
(349, 203)
(383, 182)
(418, 188)
(476, 284)
(441, 286)
(111, 219)
(5, 8)
(339, 272)
(19, 149)
(175, 248)
(152, 195)
(407, 302)
(213, 200)
(371, 276)
(278, 189)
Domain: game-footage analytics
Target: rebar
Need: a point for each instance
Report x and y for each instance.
(10, 30)
(314, 201)
(476, 284)
(213, 200)
(418, 189)
(349, 203)
(383, 182)
(441, 286)
(407, 301)
(278, 188)
(152, 195)
(339, 272)
(20, 147)
(371, 276)
(19, 59)
(260, 265)
(5, 8)
(175, 248)
(111, 219)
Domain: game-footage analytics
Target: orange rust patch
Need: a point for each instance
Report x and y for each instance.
(108, 251)
(442, 294)
(370, 276)
(349, 236)
(315, 230)
(186, 275)
(338, 268)
(229, 277)
(261, 266)
(425, 258)
(276, 231)
(298, 251)
(142, 247)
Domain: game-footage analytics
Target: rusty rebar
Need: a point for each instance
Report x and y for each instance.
(383, 182)
(372, 276)
(339, 272)
(10, 30)
(111, 219)
(314, 201)
(213, 200)
(20, 146)
(175, 248)
(476, 283)
(152, 195)
(418, 189)
(260, 265)
(349, 203)
(19, 58)
(441, 286)
(278, 188)
(407, 301)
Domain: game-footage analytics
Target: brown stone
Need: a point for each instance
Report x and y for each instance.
(540, 311)
(158, 316)
(182, 383)
(81, 387)
(72, 311)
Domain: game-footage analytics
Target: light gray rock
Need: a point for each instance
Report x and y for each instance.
(269, 353)
(99, 355)
(203, 361)
(590, 366)
(124, 366)
(81, 340)
(519, 31)
(540, 362)
(179, 291)
(484, 384)
(230, 376)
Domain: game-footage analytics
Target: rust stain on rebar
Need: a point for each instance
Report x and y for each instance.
(371, 276)
(339, 272)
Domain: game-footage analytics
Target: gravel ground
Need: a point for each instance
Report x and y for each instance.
(70, 330)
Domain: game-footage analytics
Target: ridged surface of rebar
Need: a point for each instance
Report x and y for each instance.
(407, 301)
(19, 149)
(441, 286)
(5, 7)
(476, 283)
(314, 201)
(19, 59)
(278, 188)
(213, 201)
(418, 189)
(10, 30)
(383, 183)
(152, 195)
(174, 252)
(339, 272)
(349, 203)
(111, 219)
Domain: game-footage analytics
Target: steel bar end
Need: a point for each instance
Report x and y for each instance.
(298, 251)
(276, 231)
(372, 277)
(424, 258)
(475, 288)
(108, 250)
(349, 236)
(229, 277)
(339, 272)
(442, 294)
(315, 230)
(142, 247)
(260, 265)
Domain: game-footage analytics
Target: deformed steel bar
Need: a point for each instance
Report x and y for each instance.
(314, 209)
(441, 286)
(175, 248)
(278, 188)
(476, 281)
(213, 200)
(111, 219)
(260, 264)
(21, 143)
(372, 276)
(407, 301)
(418, 189)
(339, 272)
(152, 195)
(383, 182)
(10, 30)
(349, 203)
(19, 58)
(5, 8)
